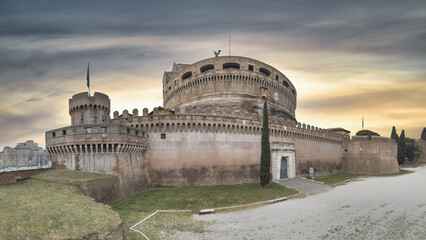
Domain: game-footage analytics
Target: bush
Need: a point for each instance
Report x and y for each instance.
(366, 133)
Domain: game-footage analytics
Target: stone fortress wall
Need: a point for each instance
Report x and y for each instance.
(421, 147)
(370, 155)
(193, 148)
(229, 83)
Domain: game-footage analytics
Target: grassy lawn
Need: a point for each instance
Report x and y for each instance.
(140, 205)
(341, 177)
(39, 210)
(68, 176)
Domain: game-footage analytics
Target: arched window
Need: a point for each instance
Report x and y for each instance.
(186, 75)
(207, 68)
(285, 83)
(231, 66)
(265, 71)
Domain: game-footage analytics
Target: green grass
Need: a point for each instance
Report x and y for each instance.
(40, 210)
(68, 176)
(341, 177)
(140, 205)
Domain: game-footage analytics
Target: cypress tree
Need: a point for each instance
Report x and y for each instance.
(423, 136)
(394, 135)
(410, 151)
(401, 148)
(265, 156)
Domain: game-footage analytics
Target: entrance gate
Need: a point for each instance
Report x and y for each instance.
(283, 170)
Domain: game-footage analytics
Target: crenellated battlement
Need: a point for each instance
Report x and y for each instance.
(233, 122)
(230, 82)
(85, 109)
(89, 138)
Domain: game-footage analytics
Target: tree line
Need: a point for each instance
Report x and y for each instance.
(406, 148)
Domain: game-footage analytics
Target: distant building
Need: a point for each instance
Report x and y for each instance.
(24, 156)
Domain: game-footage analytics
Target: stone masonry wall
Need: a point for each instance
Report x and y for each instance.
(421, 146)
(375, 155)
(218, 150)
(107, 148)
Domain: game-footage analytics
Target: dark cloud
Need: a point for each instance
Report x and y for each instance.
(35, 69)
(45, 45)
(32, 100)
(385, 27)
(16, 126)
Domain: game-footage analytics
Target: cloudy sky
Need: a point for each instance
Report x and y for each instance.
(347, 59)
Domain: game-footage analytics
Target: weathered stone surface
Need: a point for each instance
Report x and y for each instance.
(207, 133)
(370, 154)
(229, 85)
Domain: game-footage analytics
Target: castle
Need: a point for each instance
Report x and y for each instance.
(207, 133)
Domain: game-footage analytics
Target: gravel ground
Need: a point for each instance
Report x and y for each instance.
(374, 208)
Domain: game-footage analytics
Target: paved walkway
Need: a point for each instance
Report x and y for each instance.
(305, 186)
(374, 208)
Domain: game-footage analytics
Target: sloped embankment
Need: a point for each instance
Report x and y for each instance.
(35, 209)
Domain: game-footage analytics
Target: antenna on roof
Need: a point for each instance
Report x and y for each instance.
(229, 42)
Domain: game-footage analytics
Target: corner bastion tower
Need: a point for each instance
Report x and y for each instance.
(85, 109)
(93, 144)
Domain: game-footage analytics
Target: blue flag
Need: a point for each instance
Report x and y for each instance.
(88, 79)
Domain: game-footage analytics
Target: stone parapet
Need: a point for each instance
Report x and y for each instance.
(85, 109)
(225, 123)
(95, 138)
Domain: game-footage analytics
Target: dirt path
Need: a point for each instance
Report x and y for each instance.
(374, 208)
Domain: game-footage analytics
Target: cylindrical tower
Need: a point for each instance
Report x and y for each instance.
(229, 84)
(85, 109)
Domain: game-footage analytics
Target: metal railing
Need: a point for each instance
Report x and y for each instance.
(7, 165)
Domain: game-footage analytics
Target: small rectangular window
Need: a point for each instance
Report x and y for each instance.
(174, 82)
(163, 136)
(104, 129)
(53, 134)
(251, 68)
(64, 132)
(136, 133)
(277, 77)
(128, 130)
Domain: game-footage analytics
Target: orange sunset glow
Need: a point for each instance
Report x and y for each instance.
(347, 60)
